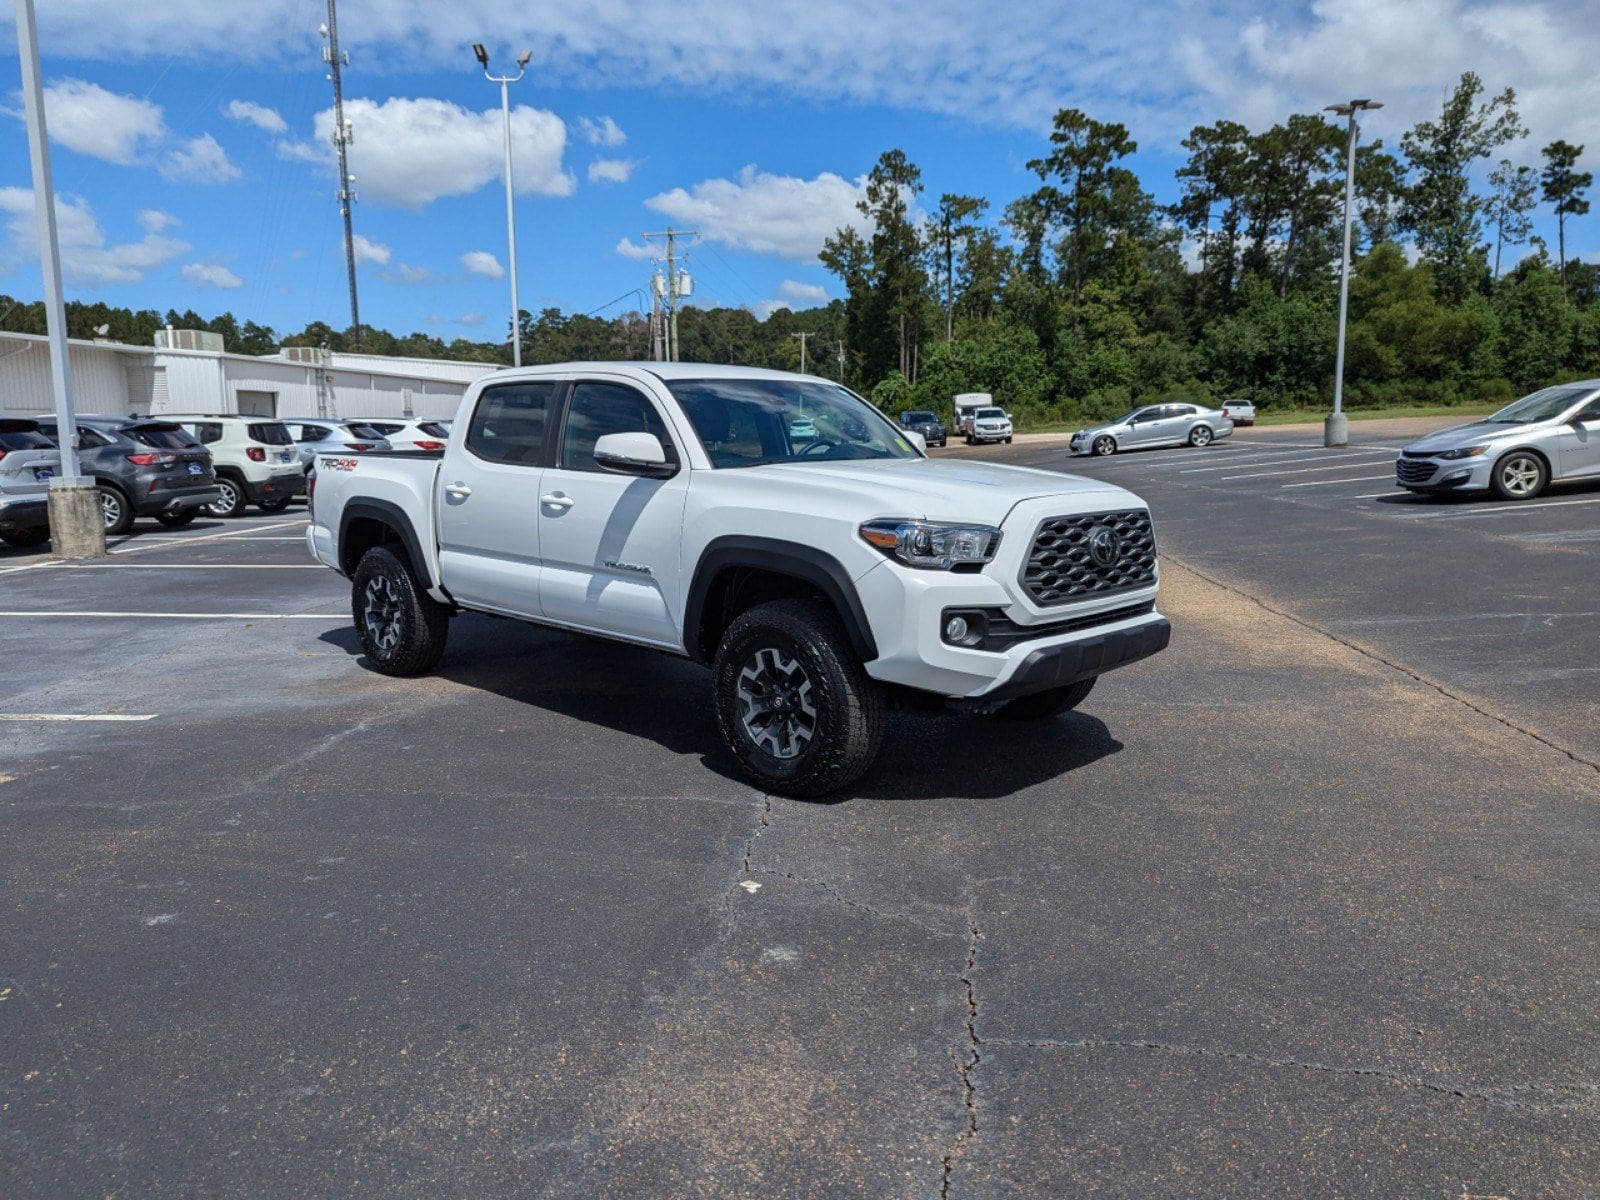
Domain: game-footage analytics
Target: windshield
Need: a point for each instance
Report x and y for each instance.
(997, 414)
(909, 417)
(748, 422)
(1541, 406)
(160, 437)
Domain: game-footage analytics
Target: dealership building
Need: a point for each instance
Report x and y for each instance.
(191, 372)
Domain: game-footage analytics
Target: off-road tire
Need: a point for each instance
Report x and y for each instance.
(1008, 441)
(274, 506)
(384, 585)
(116, 510)
(232, 501)
(1043, 705)
(23, 538)
(849, 704)
(1505, 480)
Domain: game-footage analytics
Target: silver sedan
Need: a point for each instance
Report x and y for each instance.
(1553, 434)
(1155, 425)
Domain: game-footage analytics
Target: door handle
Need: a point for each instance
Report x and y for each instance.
(556, 500)
(457, 489)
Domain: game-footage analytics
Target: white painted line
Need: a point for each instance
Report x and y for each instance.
(1497, 509)
(129, 566)
(205, 537)
(1303, 458)
(1335, 482)
(183, 616)
(77, 717)
(1349, 466)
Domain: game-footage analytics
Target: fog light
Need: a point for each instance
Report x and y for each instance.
(1456, 476)
(955, 629)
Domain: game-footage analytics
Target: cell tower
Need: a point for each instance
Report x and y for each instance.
(342, 137)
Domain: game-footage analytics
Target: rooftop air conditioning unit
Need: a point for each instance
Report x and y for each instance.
(312, 356)
(189, 339)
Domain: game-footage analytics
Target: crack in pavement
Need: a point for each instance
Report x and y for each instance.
(881, 913)
(1584, 1098)
(1375, 656)
(966, 1065)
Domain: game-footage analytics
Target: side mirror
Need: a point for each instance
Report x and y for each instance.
(634, 454)
(916, 439)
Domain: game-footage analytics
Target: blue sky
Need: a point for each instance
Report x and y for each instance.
(194, 169)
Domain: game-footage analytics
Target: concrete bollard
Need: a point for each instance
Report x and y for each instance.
(77, 528)
(1336, 430)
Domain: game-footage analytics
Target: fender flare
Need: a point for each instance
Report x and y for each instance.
(395, 517)
(807, 563)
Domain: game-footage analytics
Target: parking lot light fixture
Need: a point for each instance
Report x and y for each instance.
(1336, 429)
(505, 82)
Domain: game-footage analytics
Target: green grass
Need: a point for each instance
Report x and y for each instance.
(1304, 416)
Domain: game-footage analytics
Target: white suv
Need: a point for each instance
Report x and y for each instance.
(989, 425)
(255, 460)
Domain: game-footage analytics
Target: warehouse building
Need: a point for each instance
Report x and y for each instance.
(189, 371)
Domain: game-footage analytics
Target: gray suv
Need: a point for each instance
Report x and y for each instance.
(144, 467)
(28, 460)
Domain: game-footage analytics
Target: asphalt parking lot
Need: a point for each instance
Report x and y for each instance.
(1307, 905)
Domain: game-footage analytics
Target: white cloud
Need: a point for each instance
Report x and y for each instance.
(369, 251)
(637, 251)
(200, 160)
(793, 295)
(153, 220)
(86, 259)
(769, 214)
(255, 114)
(601, 132)
(481, 262)
(473, 318)
(411, 152)
(204, 275)
(90, 120)
(611, 170)
(407, 275)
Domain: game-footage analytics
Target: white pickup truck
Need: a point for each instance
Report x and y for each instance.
(823, 580)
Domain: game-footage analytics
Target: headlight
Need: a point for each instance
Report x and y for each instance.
(1465, 452)
(931, 546)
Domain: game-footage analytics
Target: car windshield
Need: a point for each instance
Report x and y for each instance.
(362, 431)
(270, 432)
(749, 422)
(916, 416)
(160, 437)
(1541, 406)
(997, 414)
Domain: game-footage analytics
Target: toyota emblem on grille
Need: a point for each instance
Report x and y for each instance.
(1105, 547)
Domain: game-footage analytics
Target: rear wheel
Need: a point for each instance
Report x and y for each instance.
(1200, 435)
(1105, 444)
(1520, 475)
(231, 503)
(115, 511)
(176, 519)
(22, 538)
(401, 627)
(794, 703)
(1042, 705)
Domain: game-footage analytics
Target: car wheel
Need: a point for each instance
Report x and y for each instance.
(1200, 435)
(794, 703)
(115, 511)
(401, 627)
(22, 538)
(176, 519)
(1042, 705)
(231, 503)
(1008, 441)
(275, 506)
(970, 439)
(1105, 444)
(1520, 475)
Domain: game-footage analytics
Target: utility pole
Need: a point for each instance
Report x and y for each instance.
(77, 529)
(505, 82)
(802, 336)
(1336, 429)
(341, 140)
(678, 285)
(841, 360)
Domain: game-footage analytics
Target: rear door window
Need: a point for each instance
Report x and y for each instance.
(270, 433)
(508, 423)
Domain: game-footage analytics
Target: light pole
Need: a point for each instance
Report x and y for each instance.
(505, 82)
(1336, 429)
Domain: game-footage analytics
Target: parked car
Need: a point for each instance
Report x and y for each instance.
(989, 425)
(1554, 434)
(802, 429)
(143, 466)
(927, 424)
(322, 435)
(254, 458)
(28, 461)
(820, 583)
(412, 435)
(1154, 425)
(1240, 412)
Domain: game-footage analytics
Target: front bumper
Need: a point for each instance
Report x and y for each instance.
(284, 486)
(18, 515)
(1443, 475)
(1067, 663)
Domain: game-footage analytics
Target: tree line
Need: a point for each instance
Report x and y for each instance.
(1084, 296)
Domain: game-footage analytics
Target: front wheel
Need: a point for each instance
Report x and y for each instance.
(1200, 435)
(1042, 705)
(401, 627)
(231, 502)
(1008, 441)
(1104, 444)
(1520, 475)
(794, 703)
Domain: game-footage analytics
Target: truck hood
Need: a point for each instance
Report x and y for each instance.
(939, 489)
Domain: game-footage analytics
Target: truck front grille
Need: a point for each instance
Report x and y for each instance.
(1062, 565)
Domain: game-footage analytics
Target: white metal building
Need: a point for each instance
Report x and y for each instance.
(195, 374)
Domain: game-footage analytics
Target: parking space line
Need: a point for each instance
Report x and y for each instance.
(177, 616)
(121, 566)
(205, 537)
(78, 716)
(1335, 482)
(1496, 509)
(1349, 466)
(1275, 462)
